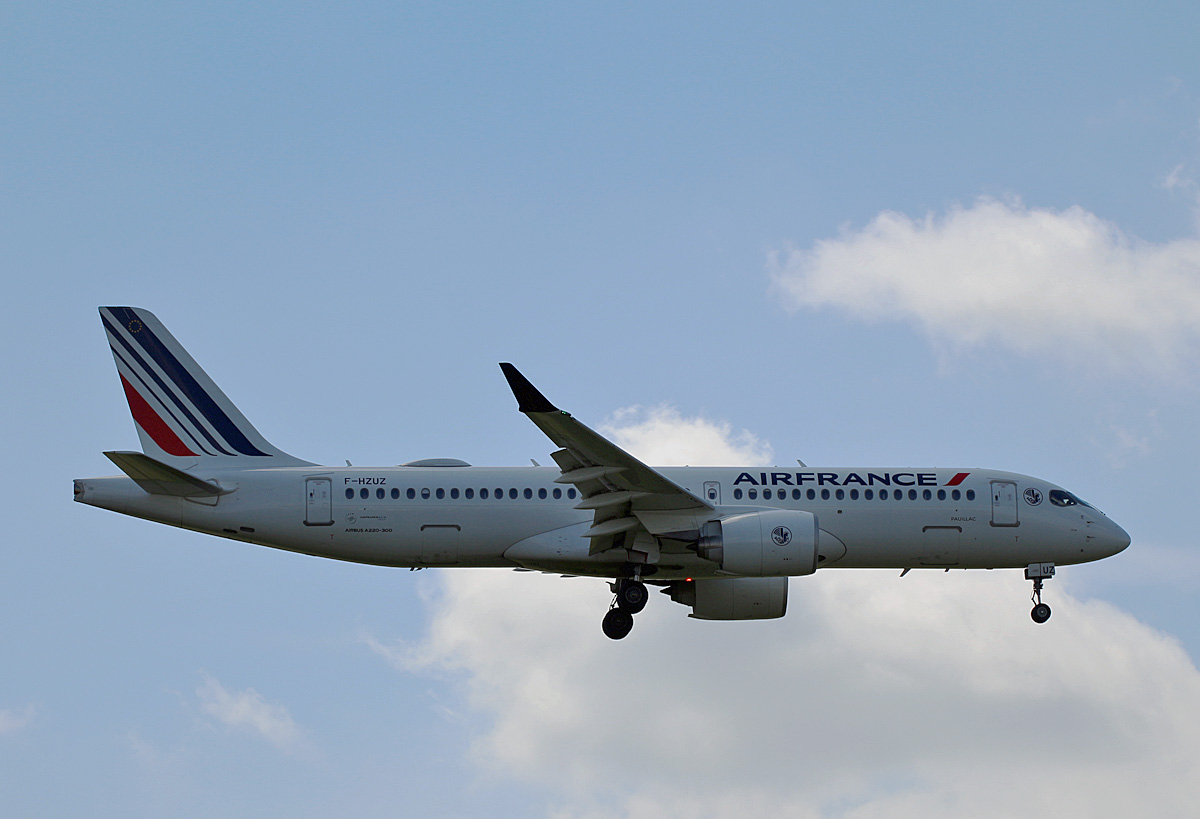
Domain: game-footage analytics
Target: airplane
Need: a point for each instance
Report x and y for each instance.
(722, 541)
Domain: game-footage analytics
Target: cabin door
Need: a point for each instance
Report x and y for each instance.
(318, 505)
(1004, 503)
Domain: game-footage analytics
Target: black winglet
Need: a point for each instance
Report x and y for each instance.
(528, 397)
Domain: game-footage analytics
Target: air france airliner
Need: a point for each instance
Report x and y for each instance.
(722, 541)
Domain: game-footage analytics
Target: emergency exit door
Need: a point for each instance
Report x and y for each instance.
(712, 492)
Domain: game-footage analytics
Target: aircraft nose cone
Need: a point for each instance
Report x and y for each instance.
(1108, 538)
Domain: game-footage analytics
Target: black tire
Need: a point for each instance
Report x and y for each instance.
(1040, 613)
(617, 623)
(632, 596)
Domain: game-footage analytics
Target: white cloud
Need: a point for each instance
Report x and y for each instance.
(12, 721)
(247, 710)
(1178, 179)
(662, 436)
(933, 695)
(1059, 285)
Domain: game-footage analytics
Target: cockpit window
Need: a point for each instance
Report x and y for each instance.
(1060, 498)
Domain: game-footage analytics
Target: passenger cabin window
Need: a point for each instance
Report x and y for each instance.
(737, 494)
(349, 494)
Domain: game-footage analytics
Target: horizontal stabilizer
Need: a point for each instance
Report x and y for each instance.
(159, 479)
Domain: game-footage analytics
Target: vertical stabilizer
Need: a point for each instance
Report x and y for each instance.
(182, 417)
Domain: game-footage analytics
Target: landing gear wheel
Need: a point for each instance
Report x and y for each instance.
(1039, 572)
(632, 595)
(617, 623)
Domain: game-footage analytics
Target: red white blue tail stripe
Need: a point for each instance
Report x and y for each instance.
(178, 409)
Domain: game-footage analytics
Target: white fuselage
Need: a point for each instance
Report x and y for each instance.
(520, 517)
(721, 540)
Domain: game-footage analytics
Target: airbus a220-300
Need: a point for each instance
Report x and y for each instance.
(722, 541)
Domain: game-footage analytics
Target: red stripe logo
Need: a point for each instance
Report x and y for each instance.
(957, 479)
(155, 427)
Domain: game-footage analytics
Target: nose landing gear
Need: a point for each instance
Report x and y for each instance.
(630, 598)
(1038, 572)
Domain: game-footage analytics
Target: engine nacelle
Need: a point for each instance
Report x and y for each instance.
(733, 598)
(775, 543)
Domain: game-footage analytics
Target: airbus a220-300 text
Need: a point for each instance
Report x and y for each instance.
(721, 540)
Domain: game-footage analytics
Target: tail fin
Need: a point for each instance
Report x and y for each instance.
(182, 416)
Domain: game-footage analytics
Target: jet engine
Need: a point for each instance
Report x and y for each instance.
(776, 543)
(734, 598)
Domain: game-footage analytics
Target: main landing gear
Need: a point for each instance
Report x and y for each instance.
(1037, 572)
(630, 598)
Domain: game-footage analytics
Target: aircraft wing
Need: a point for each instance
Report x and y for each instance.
(623, 491)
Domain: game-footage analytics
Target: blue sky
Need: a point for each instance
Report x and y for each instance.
(927, 235)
